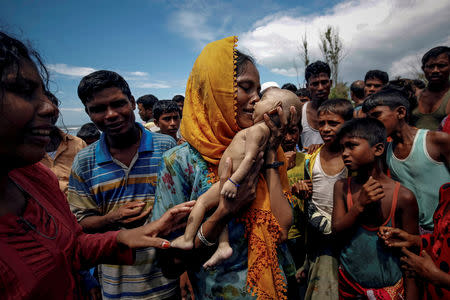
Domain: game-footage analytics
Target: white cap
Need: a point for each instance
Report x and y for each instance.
(268, 84)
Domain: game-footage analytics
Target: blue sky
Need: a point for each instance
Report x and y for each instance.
(154, 43)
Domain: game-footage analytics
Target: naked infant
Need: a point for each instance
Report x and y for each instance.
(243, 151)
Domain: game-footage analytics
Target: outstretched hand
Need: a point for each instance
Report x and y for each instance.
(422, 266)
(146, 236)
(396, 237)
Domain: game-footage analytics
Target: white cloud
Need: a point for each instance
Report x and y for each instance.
(70, 70)
(192, 24)
(138, 74)
(376, 35)
(72, 109)
(151, 85)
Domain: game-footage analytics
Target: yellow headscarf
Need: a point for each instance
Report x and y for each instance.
(209, 124)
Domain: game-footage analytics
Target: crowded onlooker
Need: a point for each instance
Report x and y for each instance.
(112, 183)
(419, 85)
(318, 81)
(167, 117)
(179, 99)
(42, 246)
(357, 96)
(289, 86)
(303, 95)
(89, 133)
(361, 204)
(145, 107)
(374, 81)
(61, 150)
(357, 92)
(414, 154)
(433, 102)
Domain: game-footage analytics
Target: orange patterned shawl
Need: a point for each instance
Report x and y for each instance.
(209, 124)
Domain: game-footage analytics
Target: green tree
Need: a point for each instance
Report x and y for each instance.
(332, 51)
(340, 90)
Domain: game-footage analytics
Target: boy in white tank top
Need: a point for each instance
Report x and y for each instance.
(325, 166)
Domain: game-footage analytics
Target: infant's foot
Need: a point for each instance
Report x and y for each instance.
(223, 252)
(181, 243)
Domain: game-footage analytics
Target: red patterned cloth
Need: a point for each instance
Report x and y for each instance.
(349, 289)
(437, 244)
(33, 266)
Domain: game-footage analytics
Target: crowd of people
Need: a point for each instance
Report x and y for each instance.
(236, 190)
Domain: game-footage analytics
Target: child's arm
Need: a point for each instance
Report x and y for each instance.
(408, 215)
(255, 138)
(343, 220)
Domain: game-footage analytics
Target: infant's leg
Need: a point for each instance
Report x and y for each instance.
(224, 251)
(204, 203)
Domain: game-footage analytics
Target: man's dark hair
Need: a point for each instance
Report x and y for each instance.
(163, 107)
(241, 62)
(147, 101)
(369, 129)
(100, 80)
(316, 68)
(406, 87)
(88, 131)
(435, 52)
(289, 86)
(338, 106)
(12, 54)
(390, 96)
(178, 98)
(419, 83)
(303, 92)
(377, 74)
(357, 88)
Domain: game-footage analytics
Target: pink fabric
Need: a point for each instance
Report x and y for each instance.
(32, 266)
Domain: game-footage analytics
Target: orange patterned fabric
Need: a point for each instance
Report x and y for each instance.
(209, 124)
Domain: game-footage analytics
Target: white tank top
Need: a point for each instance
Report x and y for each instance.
(323, 187)
(309, 135)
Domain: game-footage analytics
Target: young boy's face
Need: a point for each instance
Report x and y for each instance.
(290, 140)
(329, 124)
(169, 124)
(386, 115)
(356, 152)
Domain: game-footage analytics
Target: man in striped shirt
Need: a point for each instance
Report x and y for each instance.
(112, 183)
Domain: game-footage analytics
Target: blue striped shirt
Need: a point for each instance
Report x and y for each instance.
(99, 184)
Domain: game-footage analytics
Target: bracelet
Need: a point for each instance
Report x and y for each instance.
(235, 184)
(202, 238)
(274, 165)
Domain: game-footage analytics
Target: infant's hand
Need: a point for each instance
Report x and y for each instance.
(229, 190)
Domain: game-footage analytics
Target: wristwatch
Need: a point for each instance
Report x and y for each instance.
(274, 165)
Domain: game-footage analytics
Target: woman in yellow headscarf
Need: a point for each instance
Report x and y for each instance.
(221, 92)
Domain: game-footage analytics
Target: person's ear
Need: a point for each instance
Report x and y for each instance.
(156, 122)
(401, 112)
(331, 82)
(379, 149)
(133, 102)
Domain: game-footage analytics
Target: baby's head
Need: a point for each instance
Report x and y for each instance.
(273, 98)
